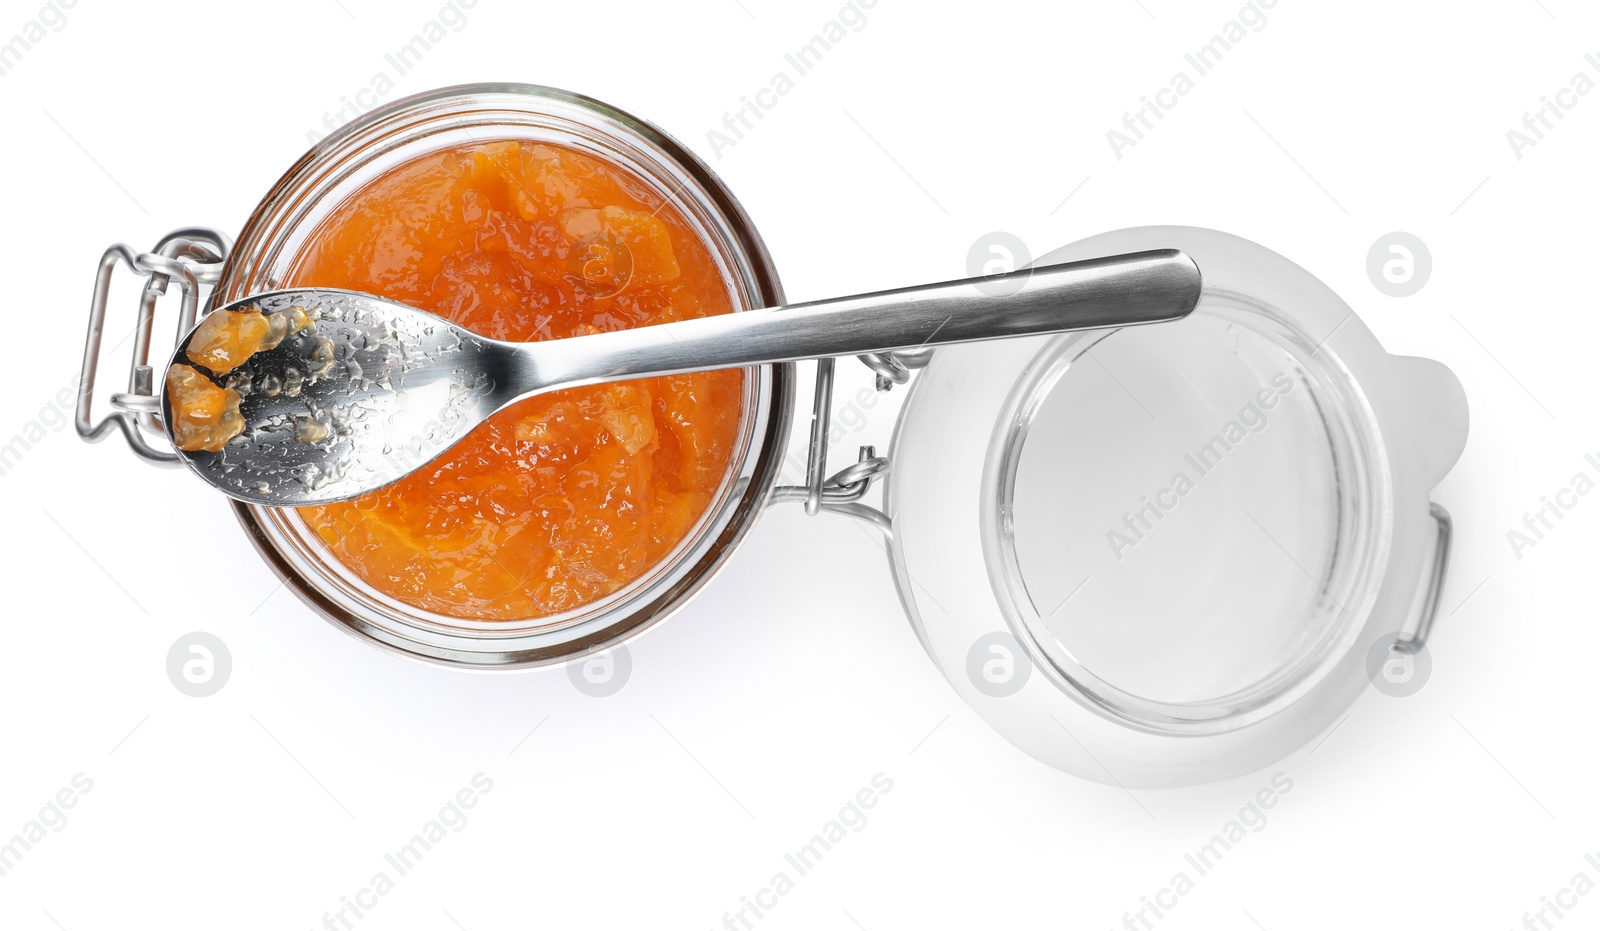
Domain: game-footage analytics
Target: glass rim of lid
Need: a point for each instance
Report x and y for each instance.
(1396, 425)
(269, 242)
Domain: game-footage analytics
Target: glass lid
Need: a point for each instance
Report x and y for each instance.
(1161, 555)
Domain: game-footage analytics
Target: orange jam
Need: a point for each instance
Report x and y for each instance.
(204, 416)
(566, 497)
(224, 341)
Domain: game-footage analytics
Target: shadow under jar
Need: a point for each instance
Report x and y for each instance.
(286, 243)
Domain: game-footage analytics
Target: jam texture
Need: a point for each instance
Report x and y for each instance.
(204, 415)
(563, 498)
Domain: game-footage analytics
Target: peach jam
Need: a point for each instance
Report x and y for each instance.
(567, 497)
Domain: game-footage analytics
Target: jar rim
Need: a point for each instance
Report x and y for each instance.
(406, 129)
(1356, 535)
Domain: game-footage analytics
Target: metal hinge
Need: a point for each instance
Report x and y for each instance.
(193, 257)
(842, 491)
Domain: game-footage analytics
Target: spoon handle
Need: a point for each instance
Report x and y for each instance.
(1145, 287)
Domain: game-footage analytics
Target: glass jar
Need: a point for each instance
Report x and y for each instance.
(270, 244)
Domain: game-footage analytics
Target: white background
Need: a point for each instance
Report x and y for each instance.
(755, 714)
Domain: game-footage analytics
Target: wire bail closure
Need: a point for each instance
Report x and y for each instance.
(842, 492)
(193, 257)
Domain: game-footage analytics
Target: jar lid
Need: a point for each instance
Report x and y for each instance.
(1159, 555)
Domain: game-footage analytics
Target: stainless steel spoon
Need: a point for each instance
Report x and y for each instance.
(374, 389)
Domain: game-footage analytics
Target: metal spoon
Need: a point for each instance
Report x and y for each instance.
(374, 389)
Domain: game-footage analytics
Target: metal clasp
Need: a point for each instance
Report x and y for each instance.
(192, 257)
(842, 492)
